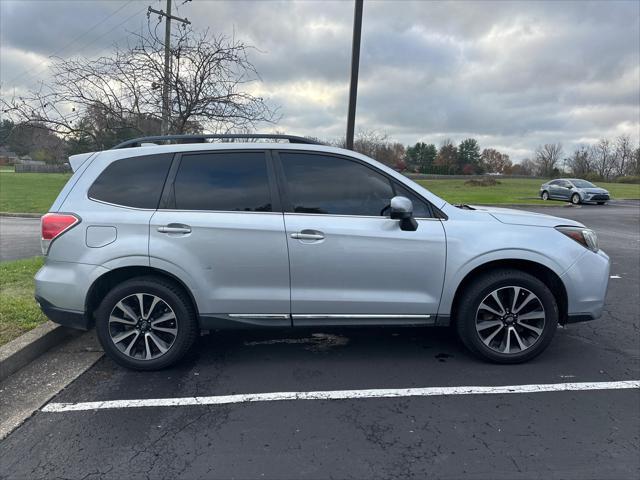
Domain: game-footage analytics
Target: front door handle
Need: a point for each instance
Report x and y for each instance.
(308, 235)
(175, 228)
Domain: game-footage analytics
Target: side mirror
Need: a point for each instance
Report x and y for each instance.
(402, 209)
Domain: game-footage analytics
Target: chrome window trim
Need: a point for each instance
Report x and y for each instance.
(354, 216)
(215, 211)
(121, 206)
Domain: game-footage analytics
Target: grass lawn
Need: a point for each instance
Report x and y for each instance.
(511, 191)
(18, 310)
(29, 192)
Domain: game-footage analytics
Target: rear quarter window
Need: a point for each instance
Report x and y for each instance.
(132, 182)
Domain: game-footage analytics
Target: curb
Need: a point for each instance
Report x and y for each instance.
(21, 215)
(27, 347)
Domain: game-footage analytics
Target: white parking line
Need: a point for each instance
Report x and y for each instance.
(338, 395)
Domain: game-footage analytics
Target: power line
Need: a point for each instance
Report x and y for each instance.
(85, 46)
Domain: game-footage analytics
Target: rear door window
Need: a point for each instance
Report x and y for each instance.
(223, 181)
(132, 182)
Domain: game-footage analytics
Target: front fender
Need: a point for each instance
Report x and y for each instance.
(457, 273)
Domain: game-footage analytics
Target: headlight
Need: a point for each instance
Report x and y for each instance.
(584, 236)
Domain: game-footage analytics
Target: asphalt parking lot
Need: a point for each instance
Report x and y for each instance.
(560, 434)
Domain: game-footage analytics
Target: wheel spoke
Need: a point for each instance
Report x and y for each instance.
(123, 335)
(130, 346)
(507, 347)
(151, 307)
(172, 331)
(538, 331)
(163, 318)
(487, 340)
(520, 342)
(484, 306)
(162, 346)
(525, 302)
(141, 303)
(498, 302)
(113, 319)
(490, 324)
(147, 347)
(516, 294)
(531, 315)
(127, 310)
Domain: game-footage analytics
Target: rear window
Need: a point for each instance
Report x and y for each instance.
(132, 182)
(224, 181)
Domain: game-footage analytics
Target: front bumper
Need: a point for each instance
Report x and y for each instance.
(595, 197)
(586, 282)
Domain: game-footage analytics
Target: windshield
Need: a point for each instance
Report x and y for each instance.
(582, 183)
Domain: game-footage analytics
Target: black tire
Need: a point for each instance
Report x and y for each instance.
(479, 289)
(575, 199)
(601, 203)
(545, 195)
(174, 297)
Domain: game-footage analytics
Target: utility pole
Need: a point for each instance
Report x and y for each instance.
(166, 114)
(355, 65)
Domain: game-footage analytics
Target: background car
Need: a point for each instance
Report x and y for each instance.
(573, 190)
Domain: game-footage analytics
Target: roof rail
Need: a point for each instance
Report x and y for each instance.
(136, 142)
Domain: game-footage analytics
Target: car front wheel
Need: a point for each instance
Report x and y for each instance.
(545, 195)
(146, 323)
(507, 316)
(575, 199)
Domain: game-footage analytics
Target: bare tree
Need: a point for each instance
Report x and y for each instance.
(603, 158)
(579, 162)
(547, 157)
(623, 155)
(209, 79)
(378, 146)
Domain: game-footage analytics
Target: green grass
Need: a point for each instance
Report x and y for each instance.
(19, 312)
(29, 192)
(510, 191)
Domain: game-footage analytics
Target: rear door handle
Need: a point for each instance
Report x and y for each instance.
(175, 228)
(308, 235)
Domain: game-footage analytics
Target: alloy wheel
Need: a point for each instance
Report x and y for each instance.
(143, 326)
(510, 320)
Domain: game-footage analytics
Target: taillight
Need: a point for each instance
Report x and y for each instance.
(53, 225)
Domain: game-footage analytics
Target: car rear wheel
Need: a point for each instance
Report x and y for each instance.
(575, 199)
(545, 195)
(507, 316)
(146, 323)
(601, 203)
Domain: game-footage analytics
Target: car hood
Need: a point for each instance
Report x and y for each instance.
(522, 217)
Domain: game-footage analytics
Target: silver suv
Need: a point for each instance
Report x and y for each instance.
(154, 243)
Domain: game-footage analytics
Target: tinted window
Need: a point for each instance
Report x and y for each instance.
(133, 182)
(331, 185)
(583, 184)
(420, 207)
(555, 182)
(229, 181)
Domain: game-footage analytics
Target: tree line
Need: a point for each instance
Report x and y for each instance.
(608, 159)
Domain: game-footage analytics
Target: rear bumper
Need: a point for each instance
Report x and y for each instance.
(66, 318)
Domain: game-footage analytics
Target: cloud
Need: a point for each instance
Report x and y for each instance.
(512, 74)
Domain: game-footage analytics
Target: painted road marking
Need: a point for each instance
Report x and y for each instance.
(338, 395)
(615, 276)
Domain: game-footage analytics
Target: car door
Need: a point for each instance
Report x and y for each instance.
(554, 189)
(349, 262)
(220, 225)
(564, 190)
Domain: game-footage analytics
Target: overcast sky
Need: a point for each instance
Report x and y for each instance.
(511, 74)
